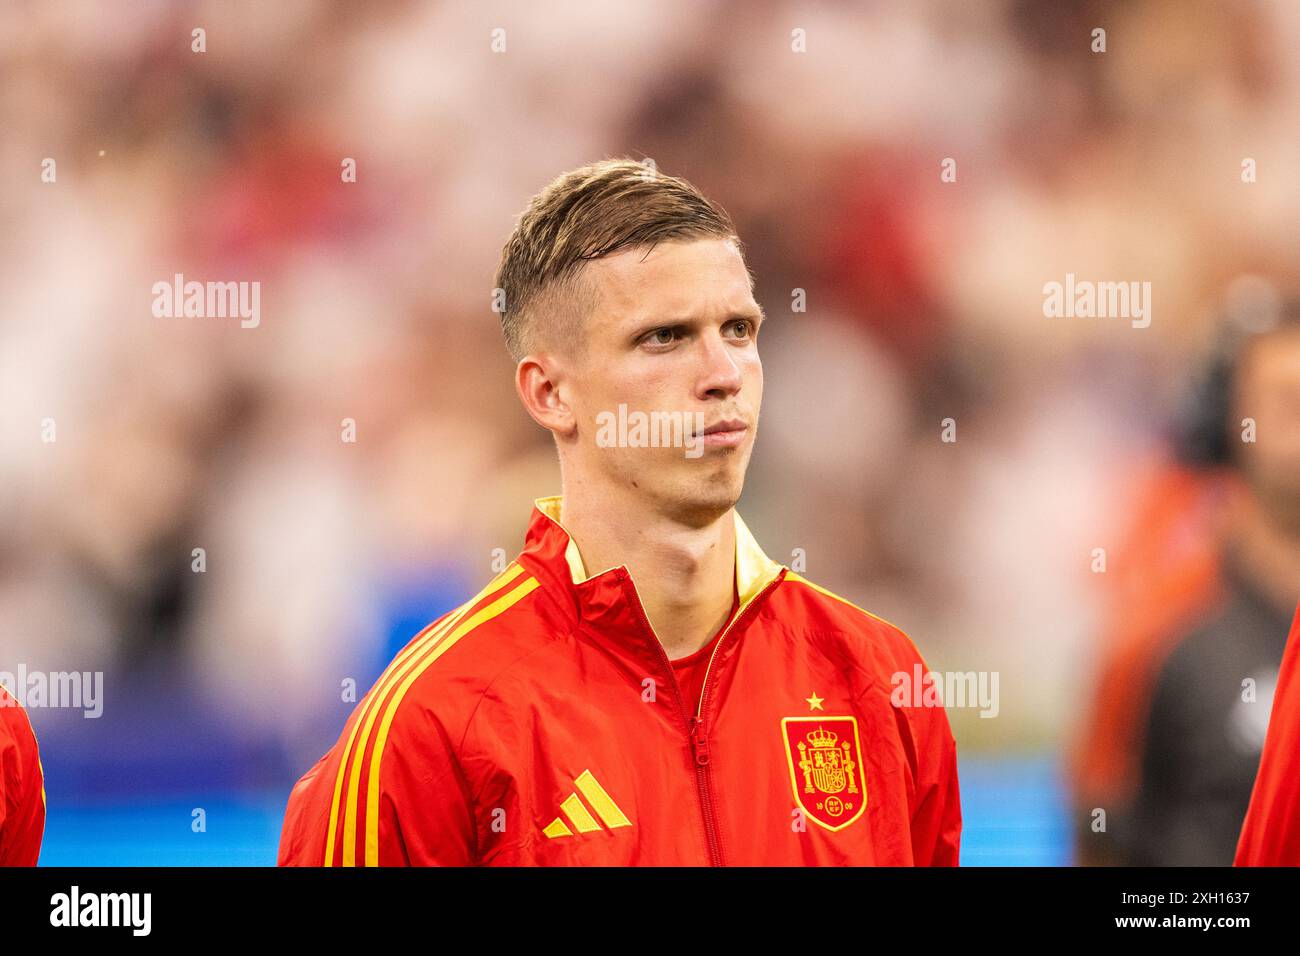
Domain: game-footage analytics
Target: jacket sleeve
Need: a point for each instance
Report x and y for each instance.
(426, 805)
(420, 814)
(306, 818)
(936, 818)
(22, 787)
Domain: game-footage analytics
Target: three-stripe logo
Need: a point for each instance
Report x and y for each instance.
(579, 817)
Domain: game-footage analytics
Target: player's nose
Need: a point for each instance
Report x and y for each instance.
(719, 370)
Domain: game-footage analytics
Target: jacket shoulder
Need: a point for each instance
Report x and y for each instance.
(450, 662)
(408, 726)
(821, 607)
(16, 732)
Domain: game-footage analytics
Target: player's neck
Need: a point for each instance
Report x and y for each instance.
(684, 574)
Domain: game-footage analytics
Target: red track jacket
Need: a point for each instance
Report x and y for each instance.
(540, 723)
(22, 787)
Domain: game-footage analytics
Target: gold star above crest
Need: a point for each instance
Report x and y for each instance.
(815, 702)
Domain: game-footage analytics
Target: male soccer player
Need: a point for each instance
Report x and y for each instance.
(642, 685)
(22, 787)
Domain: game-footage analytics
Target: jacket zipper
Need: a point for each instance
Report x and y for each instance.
(697, 734)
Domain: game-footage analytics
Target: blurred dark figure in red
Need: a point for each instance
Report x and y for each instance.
(1185, 691)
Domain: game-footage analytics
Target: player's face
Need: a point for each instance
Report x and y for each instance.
(672, 339)
(1269, 392)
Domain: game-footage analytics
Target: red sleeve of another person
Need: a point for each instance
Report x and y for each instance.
(22, 787)
(936, 820)
(1270, 835)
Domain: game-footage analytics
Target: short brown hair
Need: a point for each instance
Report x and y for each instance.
(584, 214)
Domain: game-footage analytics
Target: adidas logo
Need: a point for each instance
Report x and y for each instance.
(580, 817)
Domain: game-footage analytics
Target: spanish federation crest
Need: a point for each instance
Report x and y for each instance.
(825, 757)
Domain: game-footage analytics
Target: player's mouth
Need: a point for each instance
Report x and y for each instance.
(727, 433)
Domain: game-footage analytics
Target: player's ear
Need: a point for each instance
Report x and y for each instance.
(539, 380)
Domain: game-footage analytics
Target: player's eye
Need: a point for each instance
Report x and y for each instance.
(665, 336)
(745, 327)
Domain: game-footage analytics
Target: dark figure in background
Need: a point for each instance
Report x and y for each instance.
(1210, 705)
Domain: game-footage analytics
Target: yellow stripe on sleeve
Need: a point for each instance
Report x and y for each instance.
(386, 681)
(497, 607)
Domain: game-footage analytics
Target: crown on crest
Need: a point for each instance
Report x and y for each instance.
(820, 738)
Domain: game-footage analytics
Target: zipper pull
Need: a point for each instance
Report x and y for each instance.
(699, 742)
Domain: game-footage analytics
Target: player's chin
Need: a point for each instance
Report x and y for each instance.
(719, 486)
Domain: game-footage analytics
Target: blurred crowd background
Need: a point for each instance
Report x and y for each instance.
(924, 302)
